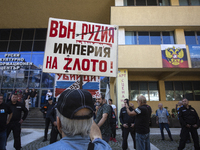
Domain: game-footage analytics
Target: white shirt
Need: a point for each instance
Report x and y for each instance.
(49, 94)
(113, 106)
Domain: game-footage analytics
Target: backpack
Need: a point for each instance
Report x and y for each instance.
(113, 116)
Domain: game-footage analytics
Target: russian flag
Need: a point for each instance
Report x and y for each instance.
(174, 58)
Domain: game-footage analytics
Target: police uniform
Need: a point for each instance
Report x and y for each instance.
(188, 116)
(14, 124)
(4, 111)
(54, 130)
(128, 120)
(47, 108)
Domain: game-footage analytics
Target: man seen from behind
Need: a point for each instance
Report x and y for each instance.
(75, 123)
(143, 114)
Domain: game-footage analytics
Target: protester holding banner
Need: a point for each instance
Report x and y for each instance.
(75, 123)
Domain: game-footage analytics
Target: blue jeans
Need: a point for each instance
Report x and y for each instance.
(3, 138)
(142, 141)
(166, 126)
(33, 99)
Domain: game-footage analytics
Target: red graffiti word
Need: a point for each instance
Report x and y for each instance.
(62, 31)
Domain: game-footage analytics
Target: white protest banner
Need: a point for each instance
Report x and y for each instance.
(82, 48)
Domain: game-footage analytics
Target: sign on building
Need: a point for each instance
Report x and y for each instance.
(82, 48)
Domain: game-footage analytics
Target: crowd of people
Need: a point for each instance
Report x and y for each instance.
(85, 123)
(28, 97)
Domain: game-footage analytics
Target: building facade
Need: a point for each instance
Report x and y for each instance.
(144, 25)
(23, 30)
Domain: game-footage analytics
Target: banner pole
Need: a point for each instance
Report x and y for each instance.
(81, 81)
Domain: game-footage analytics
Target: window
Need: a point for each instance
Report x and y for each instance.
(164, 2)
(130, 38)
(143, 38)
(140, 2)
(4, 34)
(129, 3)
(192, 37)
(3, 46)
(146, 2)
(177, 90)
(148, 89)
(155, 38)
(189, 2)
(148, 38)
(23, 40)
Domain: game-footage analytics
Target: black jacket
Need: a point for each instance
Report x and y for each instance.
(125, 118)
(188, 116)
(53, 115)
(17, 110)
(47, 108)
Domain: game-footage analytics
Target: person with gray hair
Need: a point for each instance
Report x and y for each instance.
(75, 123)
(162, 117)
(142, 118)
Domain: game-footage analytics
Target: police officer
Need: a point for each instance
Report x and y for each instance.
(16, 120)
(46, 110)
(4, 119)
(54, 130)
(127, 125)
(189, 121)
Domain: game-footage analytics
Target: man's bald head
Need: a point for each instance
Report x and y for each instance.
(160, 105)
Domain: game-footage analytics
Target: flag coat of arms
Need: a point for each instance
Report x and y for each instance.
(174, 56)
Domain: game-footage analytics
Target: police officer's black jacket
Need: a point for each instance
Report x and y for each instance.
(52, 114)
(47, 107)
(125, 118)
(17, 110)
(188, 116)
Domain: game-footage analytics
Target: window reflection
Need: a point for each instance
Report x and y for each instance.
(134, 94)
(190, 37)
(21, 78)
(148, 89)
(1, 75)
(8, 79)
(169, 95)
(48, 80)
(34, 78)
(178, 90)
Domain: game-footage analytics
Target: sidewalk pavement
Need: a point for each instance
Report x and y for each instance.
(34, 138)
